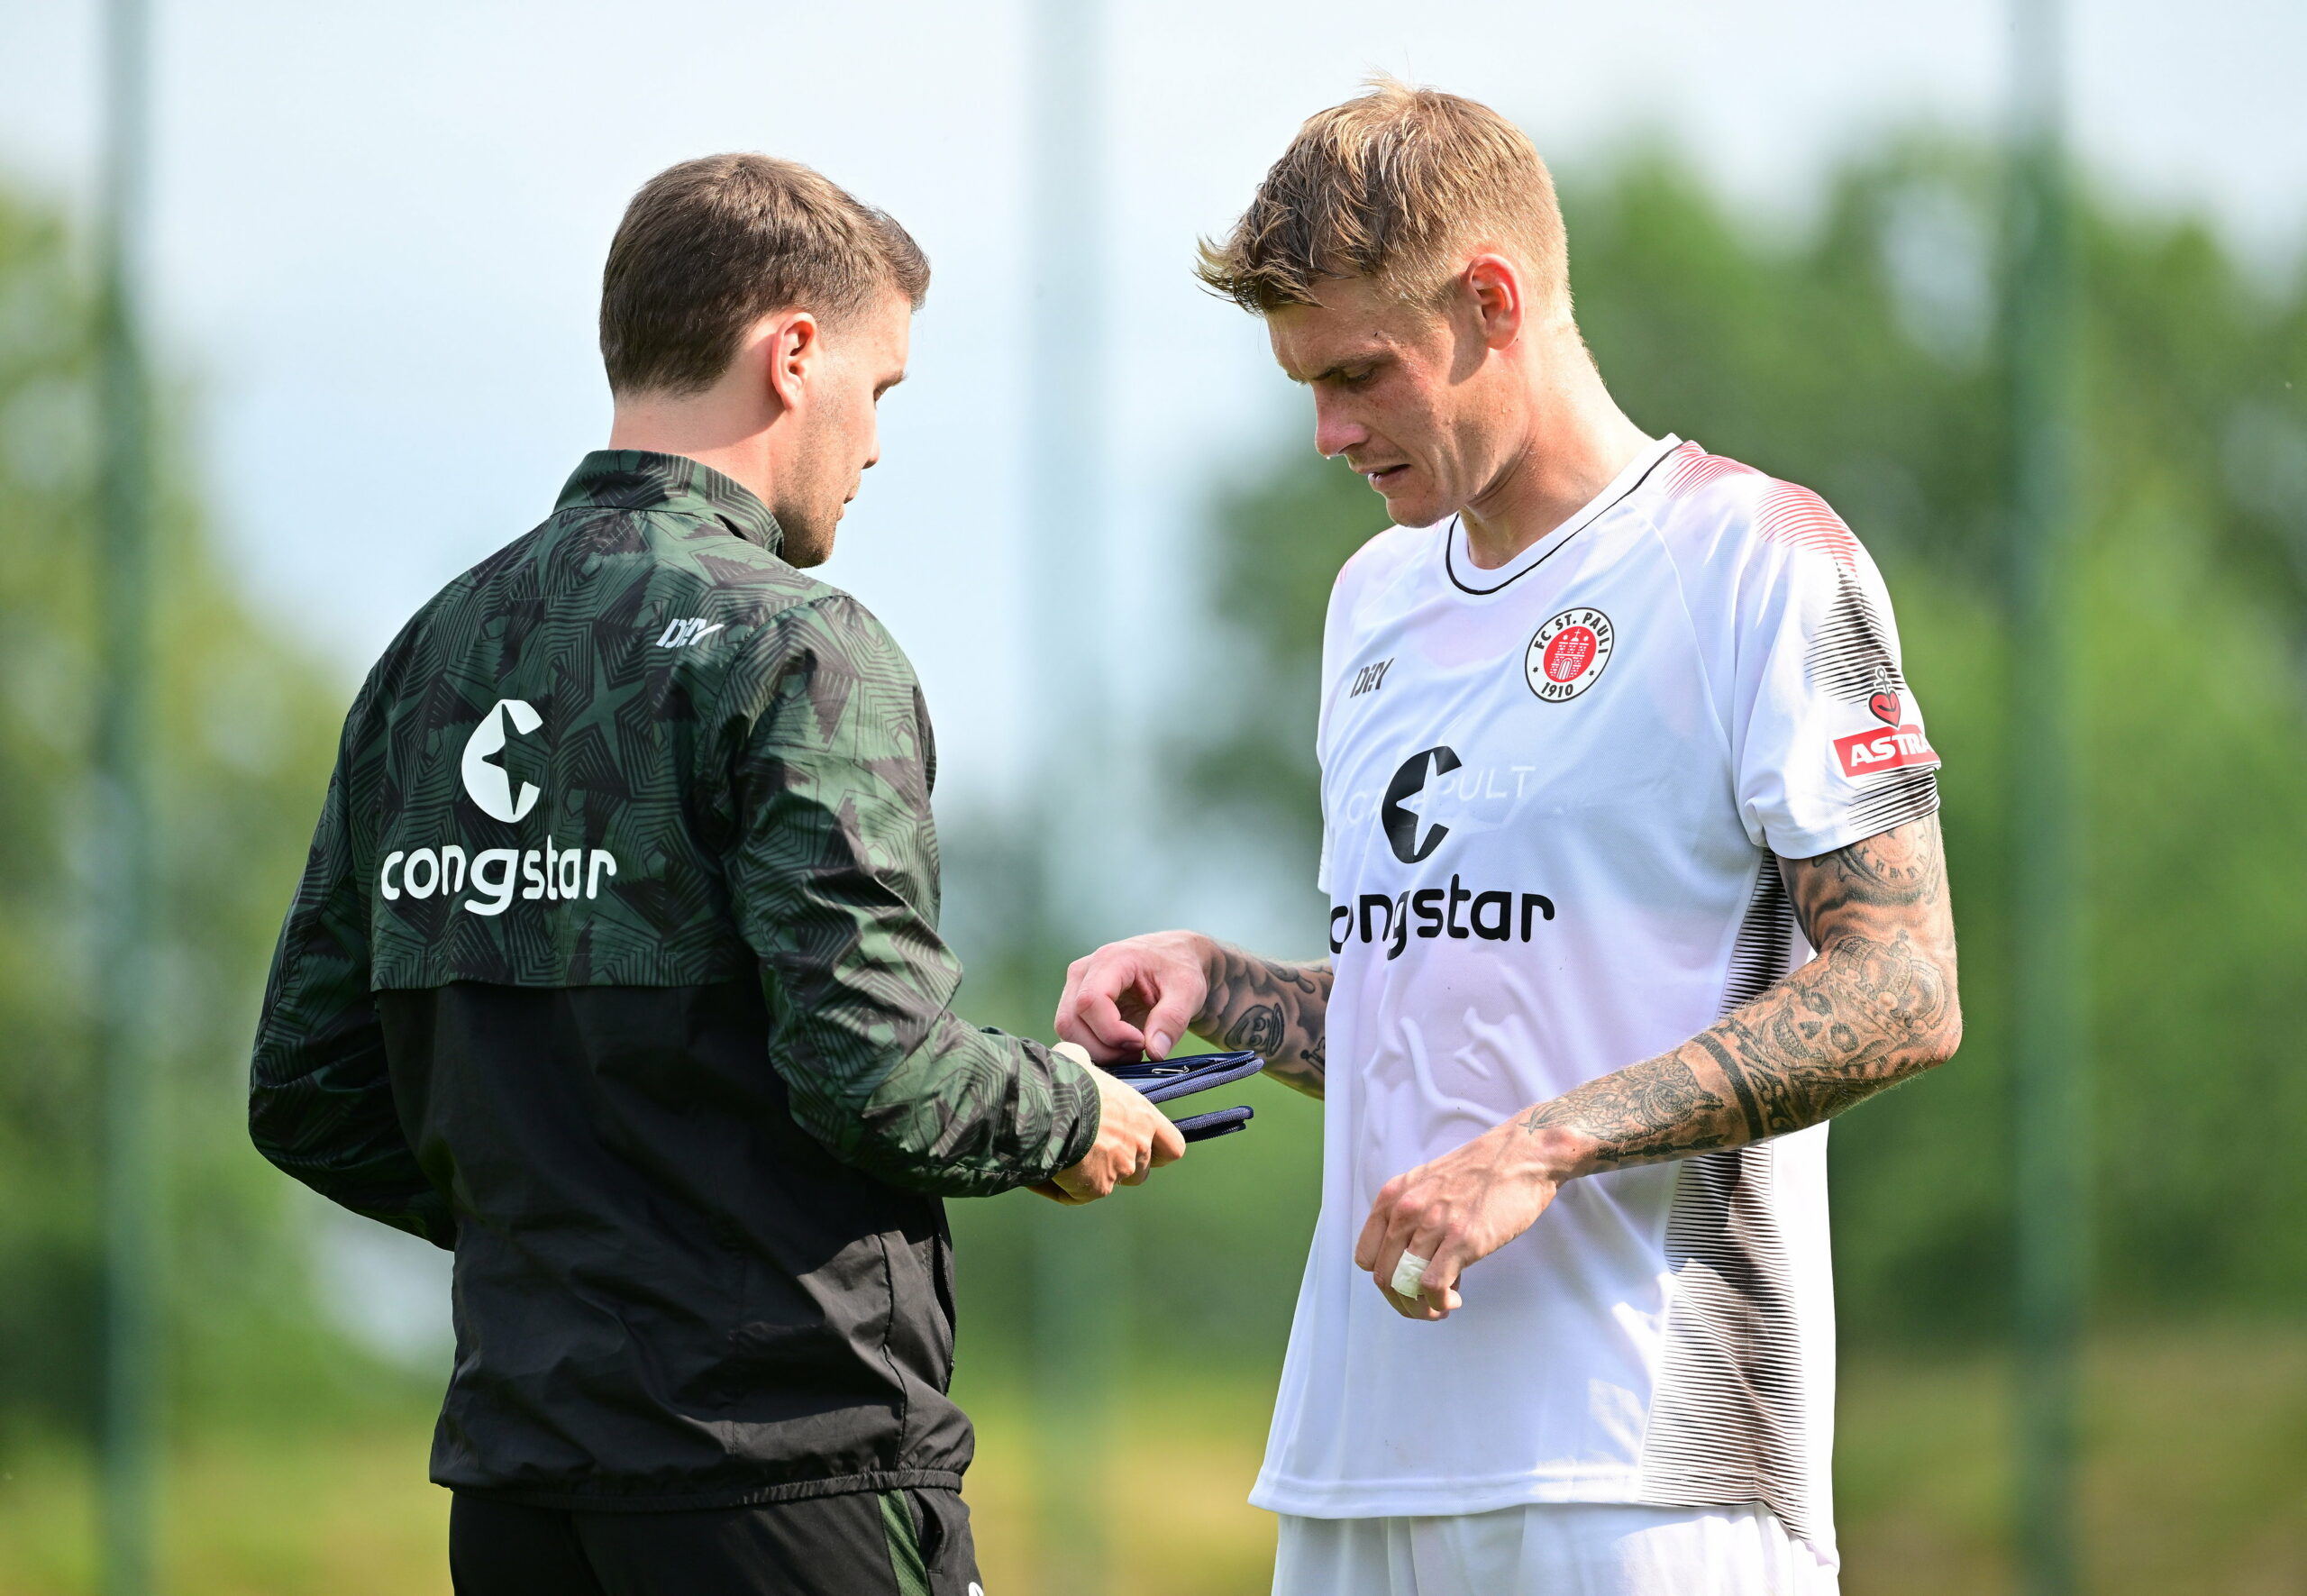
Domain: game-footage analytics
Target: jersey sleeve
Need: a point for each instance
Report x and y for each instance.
(321, 1104)
(833, 882)
(1828, 742)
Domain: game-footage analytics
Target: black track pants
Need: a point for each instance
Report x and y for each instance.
(897, 1542)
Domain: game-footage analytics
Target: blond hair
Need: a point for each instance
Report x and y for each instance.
(1397, 185)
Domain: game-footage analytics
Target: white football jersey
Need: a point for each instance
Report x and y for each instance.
(1551, 793)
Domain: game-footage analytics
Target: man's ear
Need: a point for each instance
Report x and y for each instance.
(1495, 284)
(795, 342)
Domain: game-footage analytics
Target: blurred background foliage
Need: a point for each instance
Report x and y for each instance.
(1854, 351)
(246, 725)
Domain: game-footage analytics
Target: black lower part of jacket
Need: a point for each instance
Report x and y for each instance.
(666, 1294)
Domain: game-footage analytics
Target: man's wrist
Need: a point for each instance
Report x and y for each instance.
(1090, 1119)
(1548, 1150)
(1211, 954)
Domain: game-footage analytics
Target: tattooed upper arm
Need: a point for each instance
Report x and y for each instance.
(1273, 1009)
(1896, 879)
(1879, 1003)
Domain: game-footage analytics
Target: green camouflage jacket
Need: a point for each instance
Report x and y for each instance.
(636, 748)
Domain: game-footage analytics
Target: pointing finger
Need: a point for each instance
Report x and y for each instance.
(1171, 1015)
(1101, 1022)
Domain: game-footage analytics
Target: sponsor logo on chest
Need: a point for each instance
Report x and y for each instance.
(1487, 914)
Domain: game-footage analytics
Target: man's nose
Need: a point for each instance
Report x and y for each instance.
(1334, 432)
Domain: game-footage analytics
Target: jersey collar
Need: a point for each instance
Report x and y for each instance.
(639, 480)
(1469, 578)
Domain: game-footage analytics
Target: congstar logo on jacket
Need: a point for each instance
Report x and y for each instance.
(494, 875)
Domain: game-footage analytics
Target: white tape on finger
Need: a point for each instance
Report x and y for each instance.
(1410, 1274)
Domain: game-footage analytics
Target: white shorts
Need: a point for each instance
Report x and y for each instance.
(1551, 1549)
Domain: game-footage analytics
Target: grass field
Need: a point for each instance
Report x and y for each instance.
(2197, 1486)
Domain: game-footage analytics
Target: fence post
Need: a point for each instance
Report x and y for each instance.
(2049, 1036)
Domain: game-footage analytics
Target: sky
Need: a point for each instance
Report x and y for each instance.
(378, 231)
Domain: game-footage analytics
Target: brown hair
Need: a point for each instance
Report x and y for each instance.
(1394, 185)
(709, 247)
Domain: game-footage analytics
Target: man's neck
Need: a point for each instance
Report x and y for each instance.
(1577, 443)
(699, 433)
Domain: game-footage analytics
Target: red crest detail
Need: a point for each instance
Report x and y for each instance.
(1886, 707)
(1571, 651)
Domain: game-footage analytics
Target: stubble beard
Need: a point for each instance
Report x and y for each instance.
(810, 515)
(808, 538)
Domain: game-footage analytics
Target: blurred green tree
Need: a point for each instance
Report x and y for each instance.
(245, 727)
(1857, 355)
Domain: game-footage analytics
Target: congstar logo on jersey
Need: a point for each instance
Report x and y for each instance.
(1437, 776)
(496, 875)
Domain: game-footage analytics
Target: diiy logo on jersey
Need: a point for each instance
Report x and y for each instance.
(551, 873)
(1491, 914)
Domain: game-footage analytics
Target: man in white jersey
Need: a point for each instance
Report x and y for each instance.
(1613, 735)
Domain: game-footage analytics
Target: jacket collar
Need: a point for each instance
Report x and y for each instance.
(639, 480)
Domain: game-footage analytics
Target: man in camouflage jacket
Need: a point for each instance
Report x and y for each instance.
(615, 969)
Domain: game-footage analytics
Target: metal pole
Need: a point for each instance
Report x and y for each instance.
(129, 1423)
(1081, 1259)
(2049, 1031)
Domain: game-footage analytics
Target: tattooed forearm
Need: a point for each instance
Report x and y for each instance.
(1865, 1016)
(1877, 1006)
(1651, 1110)
(1272, 1008)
